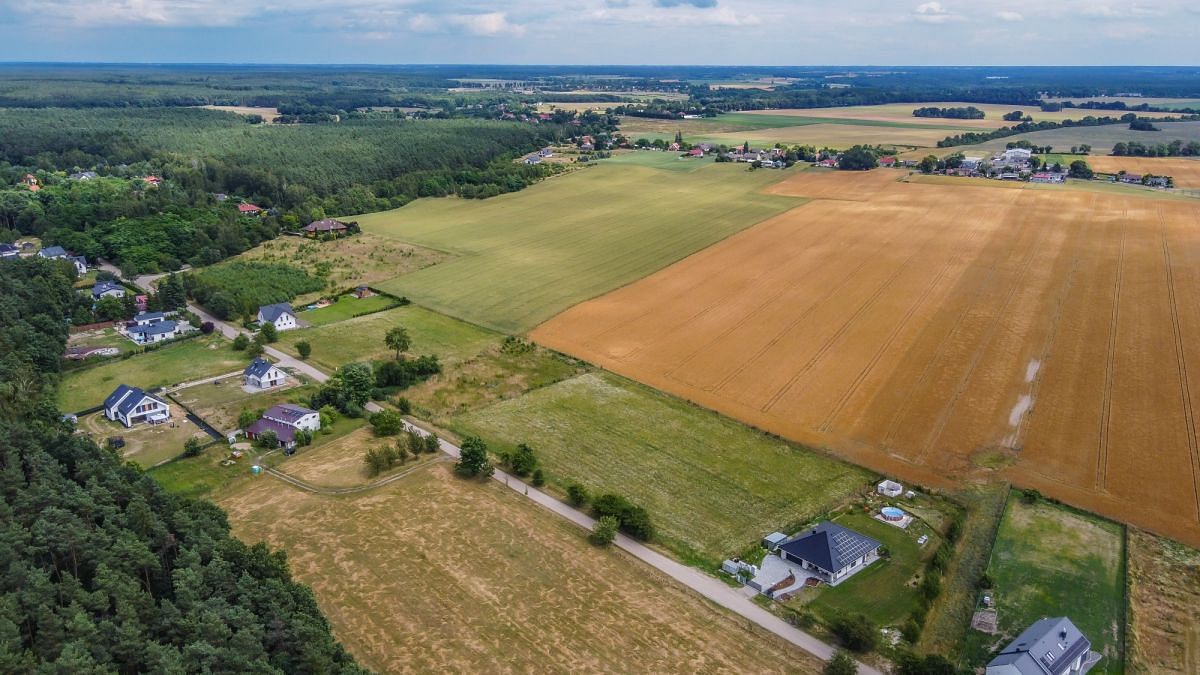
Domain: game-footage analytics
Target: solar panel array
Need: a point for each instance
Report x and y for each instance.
(850, 547)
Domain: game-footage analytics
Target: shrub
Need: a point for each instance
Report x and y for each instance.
(246, 418)
(1030, 496)
(304, 349)
(539, 478)
(192, 447)
(240, 342)
(267, 439)
(841, 664)
(268, 332)
(604, 531)
(387, 423)
(523, 461)
(207, 327)
(255, 349)
(577, 495)
(404, 405)
(855, 632)
(634, 519)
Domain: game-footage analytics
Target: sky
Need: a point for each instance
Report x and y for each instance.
(707, 32)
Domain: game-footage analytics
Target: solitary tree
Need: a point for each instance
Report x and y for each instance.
(928, 164)
(246, 418)
(397, 339)
(473, 461)
(267, 332)
(192, 447)
(841, 664)
(240, 342)
(523, 460)
(432, 444)
(304, 349)
(254, 349)
(577, 494)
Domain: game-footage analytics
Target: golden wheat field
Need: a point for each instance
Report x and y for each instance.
(1186, 172)
(935, 332)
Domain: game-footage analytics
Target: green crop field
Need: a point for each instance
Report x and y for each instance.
(346, 307)
(191, 360)
(361, 338)
(1053, 561)
(712, 486)
(523, 257)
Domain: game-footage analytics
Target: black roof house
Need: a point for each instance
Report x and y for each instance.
(829, 547)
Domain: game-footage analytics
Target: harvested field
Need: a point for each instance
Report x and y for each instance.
(835, 135)
(1164, 605)
(1101, 138)
(902, 112)
(405, 593)
(932, 324)
(1186, 172)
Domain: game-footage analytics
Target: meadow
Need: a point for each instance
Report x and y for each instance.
(1101, 138)
(523, 257)
(902, 112)
(917, 328)
(347, 307)
(192, 359)
(1054, 561)
(147, 445)
(518, 589)
(712, 486)
(1164, 594)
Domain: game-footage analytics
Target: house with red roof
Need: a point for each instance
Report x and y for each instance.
(249, 209)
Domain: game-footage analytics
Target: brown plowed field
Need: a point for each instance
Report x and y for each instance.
(1186, 172)
(933, 331)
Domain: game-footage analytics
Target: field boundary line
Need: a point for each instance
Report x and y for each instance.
(1181, 366)
(1101, 481)
(353, 489)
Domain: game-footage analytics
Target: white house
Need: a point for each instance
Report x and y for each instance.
(147, 318)
(130, 406)
(280, 314)
(284, 421)
(149, 333)
(262, 374)
(60, 253)
(107, 289)
(889, 488)
(1052, 646)
(831, 552)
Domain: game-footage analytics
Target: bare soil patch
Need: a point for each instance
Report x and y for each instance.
(900, 331)
(431, 573)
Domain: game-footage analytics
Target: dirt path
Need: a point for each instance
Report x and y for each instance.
(317, 489)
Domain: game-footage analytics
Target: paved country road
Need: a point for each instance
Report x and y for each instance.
(711, 588)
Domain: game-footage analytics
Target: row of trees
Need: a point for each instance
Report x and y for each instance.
(967, 113)
(976, 137)
(1176, 148)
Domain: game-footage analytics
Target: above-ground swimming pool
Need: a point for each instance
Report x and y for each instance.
(891, 513)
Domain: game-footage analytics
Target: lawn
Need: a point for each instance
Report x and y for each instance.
(526, 256)
(886, 591)
(200, 476)
(347, 307)
(219, 403)
(1050, 560)
(433, 573)
(361, 338)
(145, 444)
(104, 337)
(712, 486)
(189, 360)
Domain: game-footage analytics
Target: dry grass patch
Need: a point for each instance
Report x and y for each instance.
(1164, 605)
(916, 329)
(145, 444)
(431, 573)
(339, 463)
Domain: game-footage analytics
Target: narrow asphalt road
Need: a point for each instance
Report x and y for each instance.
(709, 587)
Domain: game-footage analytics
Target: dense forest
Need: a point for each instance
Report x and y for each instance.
(101, 570)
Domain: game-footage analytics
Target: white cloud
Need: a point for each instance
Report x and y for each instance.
(934, 12)
(1008, 15)
(672, 13)
(492, 23)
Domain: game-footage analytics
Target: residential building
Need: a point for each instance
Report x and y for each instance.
(1052, 646)
(158, 331)
(130, 405)
(83, 175)
(60, 253)
(889, 488)
(280, 314)
(285, 420)
(9, 251)
(80, 264)
(831, 552)
(147, 318)
(249, 209)
(107, 289)
(1135, 178)
(326, 226)
(262, 374)
(1047, 177)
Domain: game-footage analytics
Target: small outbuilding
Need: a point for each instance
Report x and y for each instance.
(889, 488)
(773, 540)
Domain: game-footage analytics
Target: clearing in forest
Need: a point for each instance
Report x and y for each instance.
(435, 573)
(524, 256)
(933, 331)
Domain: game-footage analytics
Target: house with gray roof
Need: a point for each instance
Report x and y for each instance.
(53, 252)
(280, 314)
(130, 405)
(9, 251)
(285, 421)
(1052, 646)
(152, 332)
(830, 552)
(262, 374)
(107, 289)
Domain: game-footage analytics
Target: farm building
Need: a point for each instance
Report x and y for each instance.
(262, 374)
(1048, 647)
(280, 314)
(831, 552)
(326, 226)
(130, 405)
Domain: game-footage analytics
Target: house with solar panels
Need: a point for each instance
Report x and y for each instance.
(1052, 646)
(831, 552)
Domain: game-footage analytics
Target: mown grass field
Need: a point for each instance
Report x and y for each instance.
(190, 360)
(526, 256)
(1164, 605)
(712, 486)
(432, 573)
(361, 338)
(883, 592)
(1050, 560)
(347, 307)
